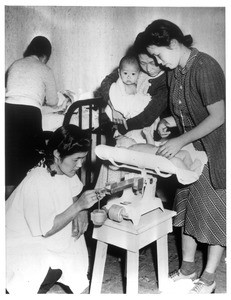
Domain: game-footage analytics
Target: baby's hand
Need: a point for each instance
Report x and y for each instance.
(148, 135)
(146, 131)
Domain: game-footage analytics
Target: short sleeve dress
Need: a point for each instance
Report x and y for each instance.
(30, 212)
(201, 209)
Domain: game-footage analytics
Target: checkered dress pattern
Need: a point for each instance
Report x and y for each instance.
(200, 208)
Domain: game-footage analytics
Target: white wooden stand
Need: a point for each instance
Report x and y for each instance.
(153, 226)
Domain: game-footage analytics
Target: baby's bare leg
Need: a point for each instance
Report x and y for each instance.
(179, 163)
(145, 148)
(185, 157)
(187, 161)
(196, 166)
(124, 142)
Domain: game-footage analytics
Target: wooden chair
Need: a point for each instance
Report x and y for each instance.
(89, 171)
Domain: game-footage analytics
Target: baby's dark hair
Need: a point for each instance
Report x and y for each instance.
(67, 140)
(128, 59)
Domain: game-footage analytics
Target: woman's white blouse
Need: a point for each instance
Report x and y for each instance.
(30, 212)
(31, 82)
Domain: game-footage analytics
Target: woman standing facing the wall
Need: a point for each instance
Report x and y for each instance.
(197, 102)
(30, 84)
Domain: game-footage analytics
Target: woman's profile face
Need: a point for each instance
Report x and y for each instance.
(148, 65)
(165, 56)
(70, 164)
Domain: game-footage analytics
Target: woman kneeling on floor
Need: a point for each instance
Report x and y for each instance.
(40, 245)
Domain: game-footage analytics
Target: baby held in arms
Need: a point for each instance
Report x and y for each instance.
(128, 95)
(182, 160)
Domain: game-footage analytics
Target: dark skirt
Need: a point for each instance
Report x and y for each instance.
(23, 139)
(202, 211)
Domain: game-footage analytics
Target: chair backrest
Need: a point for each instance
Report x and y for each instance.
(87, 114)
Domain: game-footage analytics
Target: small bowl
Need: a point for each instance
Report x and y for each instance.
(98, 217)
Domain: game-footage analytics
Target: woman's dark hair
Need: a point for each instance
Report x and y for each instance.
(161, 32)
(139, 46)
(39, 46)
(68, 139)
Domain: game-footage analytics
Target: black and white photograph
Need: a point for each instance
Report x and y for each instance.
(114, 148)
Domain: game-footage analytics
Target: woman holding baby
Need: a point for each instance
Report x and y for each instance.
(152, 78)
(197, 103)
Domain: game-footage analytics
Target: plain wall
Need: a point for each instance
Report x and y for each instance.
(88, 42)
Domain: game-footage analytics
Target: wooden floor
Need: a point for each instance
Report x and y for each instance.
(113, 282)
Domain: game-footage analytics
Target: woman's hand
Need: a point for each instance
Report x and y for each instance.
(118, 118)
(80, 224)
(64, 106)
(87, 199)
(163, 128)
(170, 148)
(100, 194)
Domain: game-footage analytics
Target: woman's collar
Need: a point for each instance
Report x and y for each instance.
(180, 70)
(152, 77)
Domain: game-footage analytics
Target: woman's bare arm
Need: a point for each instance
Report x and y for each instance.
(86, 200)
(214, 120)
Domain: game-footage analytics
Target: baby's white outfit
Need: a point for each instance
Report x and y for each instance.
(130, 105)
